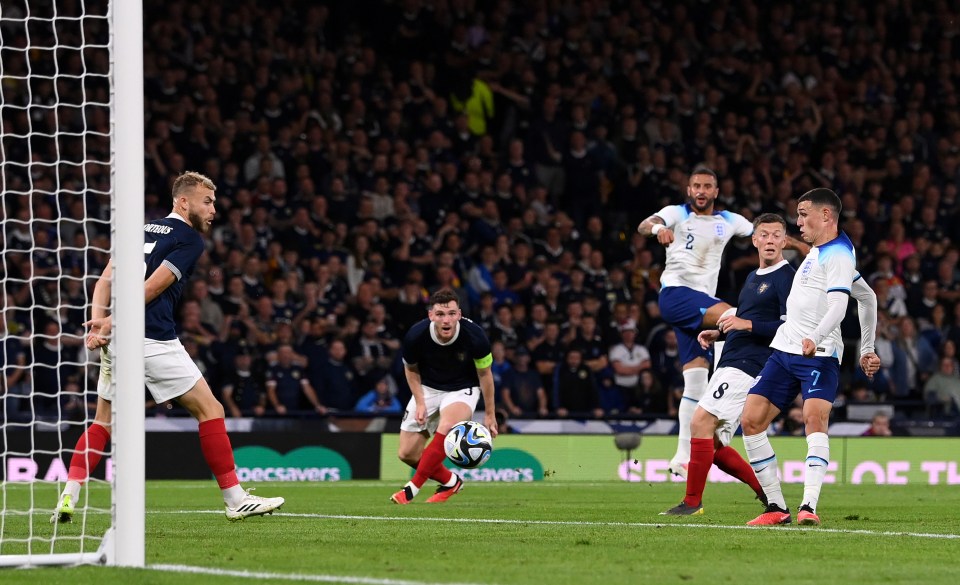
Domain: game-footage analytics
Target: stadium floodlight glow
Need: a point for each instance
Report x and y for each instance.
(71, 185)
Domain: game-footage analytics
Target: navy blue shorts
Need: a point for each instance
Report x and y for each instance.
(786, 374)
(684, 308)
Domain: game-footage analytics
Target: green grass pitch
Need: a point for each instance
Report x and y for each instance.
(543, 533)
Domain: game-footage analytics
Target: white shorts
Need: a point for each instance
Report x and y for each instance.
(437, 400)
(725, 396)
(168, 370)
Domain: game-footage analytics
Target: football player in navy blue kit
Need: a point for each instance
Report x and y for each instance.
(172, 246)
(760, 307)
(447, 363)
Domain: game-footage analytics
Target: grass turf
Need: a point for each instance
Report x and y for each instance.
(561, 533)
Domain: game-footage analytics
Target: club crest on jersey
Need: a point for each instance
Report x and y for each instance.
(719, 229)
(762, 288)
(805, 271)
(461, 356)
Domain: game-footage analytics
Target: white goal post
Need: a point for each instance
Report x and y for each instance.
(55, 63)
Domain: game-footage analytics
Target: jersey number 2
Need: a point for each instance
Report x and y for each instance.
(689, 245)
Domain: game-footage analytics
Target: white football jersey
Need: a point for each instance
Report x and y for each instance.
(827, 268)
(693, 259)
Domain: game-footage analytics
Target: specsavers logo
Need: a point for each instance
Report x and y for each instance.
(303, 464)
(510, 465)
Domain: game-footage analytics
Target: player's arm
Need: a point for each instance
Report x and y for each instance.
(867, 311)
(840, 270)
(159, 281)
(656, 226)
(99, 323)
(485, 374)
(412, 374)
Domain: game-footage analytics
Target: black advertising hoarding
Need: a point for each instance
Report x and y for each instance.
(313, 457)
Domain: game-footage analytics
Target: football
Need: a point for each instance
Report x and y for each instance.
(468, 444)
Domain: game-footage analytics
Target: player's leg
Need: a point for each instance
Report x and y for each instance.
(91, 444)
(411, 446)
(414, 446)
(725, 399)
(819, 390)
(200, 402)
(774, 387)
(455, 407)
(170, 374)
(702, 428)
(687, 311)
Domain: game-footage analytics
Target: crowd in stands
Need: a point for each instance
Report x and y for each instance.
(369, 153)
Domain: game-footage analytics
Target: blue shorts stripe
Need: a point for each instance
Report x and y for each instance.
(815, 458)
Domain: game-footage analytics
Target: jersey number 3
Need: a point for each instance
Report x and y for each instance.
(147, 248)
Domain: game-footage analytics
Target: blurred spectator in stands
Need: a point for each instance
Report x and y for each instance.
(243, 388)
(523, 393)
(627, 359)
(574, 388)
(879, 426)
(382, 399)
(547, 355)
(942, 390)
(648, 397)
(288, 388)
(921, 357)
(369, 355)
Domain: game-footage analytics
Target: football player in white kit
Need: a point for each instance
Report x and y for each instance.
(695, 236)
(807, 350)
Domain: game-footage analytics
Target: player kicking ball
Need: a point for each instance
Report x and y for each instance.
(807, 350)
(172, 246)
(447, 365)
(761, 304)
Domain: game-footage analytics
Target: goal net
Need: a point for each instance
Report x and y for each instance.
(58, 162)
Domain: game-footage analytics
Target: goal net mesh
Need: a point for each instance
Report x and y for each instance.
(55, 180)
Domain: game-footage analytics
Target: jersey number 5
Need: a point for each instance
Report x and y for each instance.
(147, 248)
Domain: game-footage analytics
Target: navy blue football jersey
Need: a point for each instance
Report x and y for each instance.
(173, 243)
(763, 300)
(448, 367)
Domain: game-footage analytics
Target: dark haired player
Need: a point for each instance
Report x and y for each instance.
(447, 364)
(695, 236)
(807, 349)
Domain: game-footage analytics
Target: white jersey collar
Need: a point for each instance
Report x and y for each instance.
(769, 269)
(175, 215)
(433, 334)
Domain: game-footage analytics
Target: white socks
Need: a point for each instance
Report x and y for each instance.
(818, 457)
(764, 463)
(232, 496)
(452, 481)
(694, 385)
(72, 489)
(413, 488)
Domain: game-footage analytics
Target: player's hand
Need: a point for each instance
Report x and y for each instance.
(707, 337)
(734, 323)
(281, 409)
(809, 348)
(320, 409)
(870, 364)
(665, 236)
(421, 414)
(99, 334)
(490, 421)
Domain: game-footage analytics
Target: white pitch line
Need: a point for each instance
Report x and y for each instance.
(260, 575)
(931, 535)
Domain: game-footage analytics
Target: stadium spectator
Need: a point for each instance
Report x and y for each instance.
(575, 388)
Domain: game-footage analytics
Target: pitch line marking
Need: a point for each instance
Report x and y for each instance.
(931, 535)
(260, 575)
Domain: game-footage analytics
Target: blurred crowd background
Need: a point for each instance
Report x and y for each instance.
(368, 153)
